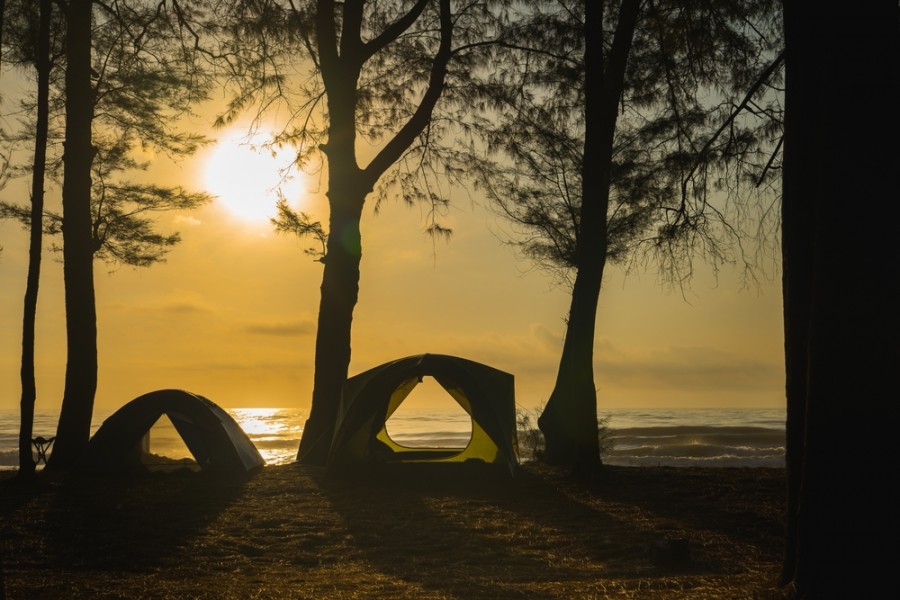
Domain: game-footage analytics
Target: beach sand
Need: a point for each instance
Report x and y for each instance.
(287, 532)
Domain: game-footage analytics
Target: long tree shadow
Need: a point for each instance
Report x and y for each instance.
(706, 524)
(745, 504)
(466, 534)
(130, 524)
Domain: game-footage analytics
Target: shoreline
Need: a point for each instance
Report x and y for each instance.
(287, 532)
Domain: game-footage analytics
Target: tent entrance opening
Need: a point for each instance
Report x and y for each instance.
(430, 418)
(163, 447)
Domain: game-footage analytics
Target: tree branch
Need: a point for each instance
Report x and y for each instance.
(393, 31)
(395, 148)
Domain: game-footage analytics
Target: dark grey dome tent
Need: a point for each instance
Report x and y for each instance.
(216, 441)
(370, 398)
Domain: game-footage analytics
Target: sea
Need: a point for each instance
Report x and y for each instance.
(636, 437)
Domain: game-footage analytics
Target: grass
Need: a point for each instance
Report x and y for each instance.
(428, 533)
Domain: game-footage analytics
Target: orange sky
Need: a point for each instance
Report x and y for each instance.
(231, 315)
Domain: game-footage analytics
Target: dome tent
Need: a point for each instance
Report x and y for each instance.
(216, 441)
(370, 398)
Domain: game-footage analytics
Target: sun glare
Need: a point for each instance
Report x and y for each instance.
(246, 177)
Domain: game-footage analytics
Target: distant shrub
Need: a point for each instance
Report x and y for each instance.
(530, 440)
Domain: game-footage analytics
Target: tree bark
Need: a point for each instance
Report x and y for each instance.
(73, 431)
(569, 420)
(29, 389)
(841, 323)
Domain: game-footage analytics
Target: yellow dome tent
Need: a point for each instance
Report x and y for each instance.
(370, 398)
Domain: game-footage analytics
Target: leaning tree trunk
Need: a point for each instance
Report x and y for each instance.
(569, 420)
(73, 431)
(841, 318)
(29, 391)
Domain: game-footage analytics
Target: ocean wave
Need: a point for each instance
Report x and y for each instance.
(771, 461)
(697, 451)
(709, 438)
(9, 458)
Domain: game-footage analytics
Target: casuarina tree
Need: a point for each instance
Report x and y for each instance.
(35, 23)
(616, 124)
(128, 70)
(379, 72)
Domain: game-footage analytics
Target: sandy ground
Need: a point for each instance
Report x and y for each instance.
(287, 532)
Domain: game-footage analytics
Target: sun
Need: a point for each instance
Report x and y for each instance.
(246, 175)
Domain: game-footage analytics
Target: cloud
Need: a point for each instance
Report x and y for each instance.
(186, 306)
(301, 327)
(240, 368)
(685, 368)
(550, 341)
(176, 303)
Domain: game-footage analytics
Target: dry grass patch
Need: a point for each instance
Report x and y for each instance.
(420, 533)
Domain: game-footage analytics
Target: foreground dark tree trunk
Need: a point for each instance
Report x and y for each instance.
(73, 431)
(569, 420)
(841, 321)
(29, 390)
(341, 59)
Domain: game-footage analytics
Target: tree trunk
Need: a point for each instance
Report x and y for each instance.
(339, 293)
(348, 186)
(796, 252)
(2, 22)
(29, 391)
(841, 323)
(73, 431)
(569, 420)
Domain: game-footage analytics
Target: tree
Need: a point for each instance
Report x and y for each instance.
(616, 132)
(378, 73)
(144, 73)
(840, 162)
(128, 71)
(29, 391)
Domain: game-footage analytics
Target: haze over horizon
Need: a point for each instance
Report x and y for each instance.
(232, 313)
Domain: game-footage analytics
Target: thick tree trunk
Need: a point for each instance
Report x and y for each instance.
(29, 391)
(843, 498)
(569, 420)
(73, 431)
(796, 244)
(339, 293)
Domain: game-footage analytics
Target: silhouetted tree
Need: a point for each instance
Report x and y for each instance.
(42, 120)
(130, 68)
(31, 45)
(840, 296)
(73, 430)
(144, 73)
(617, 117)
(378, 72)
